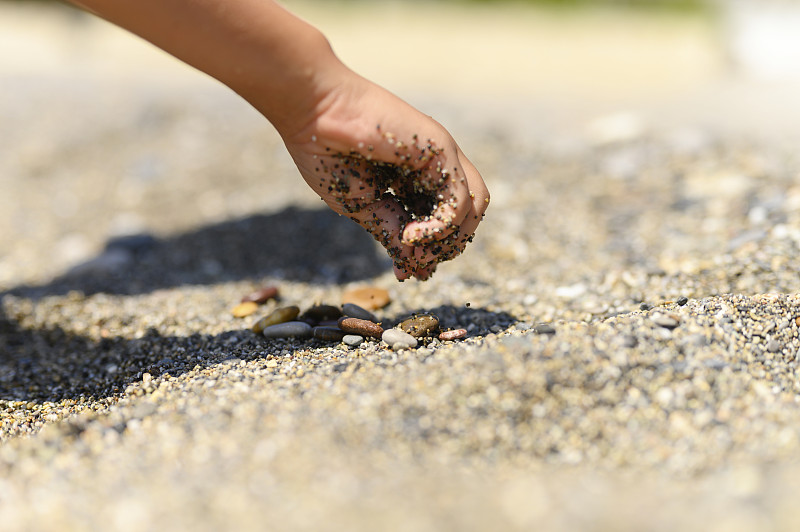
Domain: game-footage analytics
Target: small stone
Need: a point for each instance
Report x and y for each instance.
(544, 328)
(398, 339)
(289, 329)
(328, 334)
(242, 310)
(360, 327)
(354, 311)
(369, 297)
(353, 340)
(419, 326)
(645, 306)
(262, 295)
(320, 313)
(668, 321)
(682, 300)
(455, 334)
(280, 315)
(774, 346)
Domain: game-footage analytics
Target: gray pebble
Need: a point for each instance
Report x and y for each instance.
(398, 339)
(289, 329)
(354, 311)
(544, 328)
(774, 346)
(353, 340)
(682, 300)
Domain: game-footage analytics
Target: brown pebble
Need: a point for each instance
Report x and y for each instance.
(243, 310)
(368, 297)
(320, 313)
(329, 334)
(360, 327)
(279, 315)
(455, 334)
(419, 326)
(262, 295)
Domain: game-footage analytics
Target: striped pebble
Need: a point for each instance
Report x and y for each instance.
(290, 329)
(398, 339)
(455, 334)
(354, 311)
(360, 327)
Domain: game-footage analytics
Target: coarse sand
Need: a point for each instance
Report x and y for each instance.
(633, 329)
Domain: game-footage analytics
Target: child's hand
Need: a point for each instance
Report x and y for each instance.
(368, 154)
(395, 171)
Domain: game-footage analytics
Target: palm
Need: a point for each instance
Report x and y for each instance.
(397, 173)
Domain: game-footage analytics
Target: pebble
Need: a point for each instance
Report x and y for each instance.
(774, 346)
(361, 327)
(279, 315)
(262, 295)
(353, 340)
(355, 311)
(455, 334)
(682, 300)
(289, 329)
(419, 326)
(668, 321)
(328, 334)
(398, 339)
(242, 310)
(321, 313)
(544, 328)
(368, 297)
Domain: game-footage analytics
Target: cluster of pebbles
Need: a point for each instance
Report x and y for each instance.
(352, 325)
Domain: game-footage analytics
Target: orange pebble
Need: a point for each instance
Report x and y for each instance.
(243, 310)
(368, 297)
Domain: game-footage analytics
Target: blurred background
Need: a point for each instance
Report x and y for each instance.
(678, 59)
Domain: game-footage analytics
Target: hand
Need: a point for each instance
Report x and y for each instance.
(395, 171)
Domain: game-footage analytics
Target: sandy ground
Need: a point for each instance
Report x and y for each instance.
(633, 340)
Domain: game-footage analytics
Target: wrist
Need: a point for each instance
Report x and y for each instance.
(290, 86)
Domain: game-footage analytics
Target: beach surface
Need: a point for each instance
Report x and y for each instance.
(631, 303)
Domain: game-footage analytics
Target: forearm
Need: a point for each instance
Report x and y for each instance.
(276, 61)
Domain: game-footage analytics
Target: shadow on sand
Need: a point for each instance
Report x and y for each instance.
(50, 364)
(293, 244)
